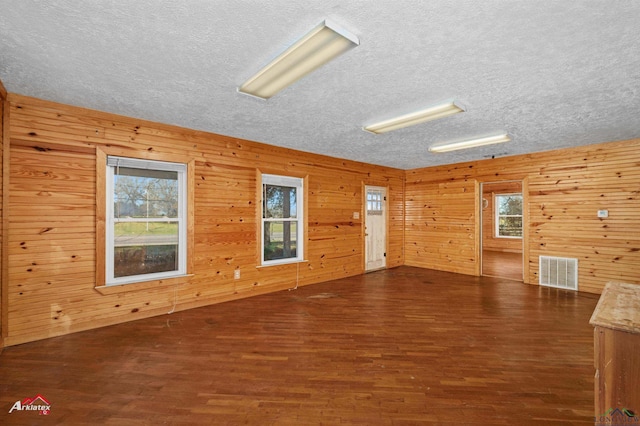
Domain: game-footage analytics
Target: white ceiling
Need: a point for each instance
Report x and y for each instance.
(551, 73)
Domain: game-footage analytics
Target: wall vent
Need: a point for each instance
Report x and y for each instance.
(558, 272)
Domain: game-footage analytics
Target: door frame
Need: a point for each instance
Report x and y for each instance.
(525, 222)
(365, 189)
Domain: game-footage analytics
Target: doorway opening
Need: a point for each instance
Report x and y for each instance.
(375, 230)
(502, 230)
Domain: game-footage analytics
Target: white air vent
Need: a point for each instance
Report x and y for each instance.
(559, 272)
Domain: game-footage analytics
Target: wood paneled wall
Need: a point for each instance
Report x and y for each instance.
(49, 216)
(52, 218)
(563, 191)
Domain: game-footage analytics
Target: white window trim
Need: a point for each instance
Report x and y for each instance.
(497, 216)
(181, 169)
(293, 182)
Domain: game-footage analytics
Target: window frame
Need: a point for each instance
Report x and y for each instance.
(146, 281)
(497, 215)
(288, 181)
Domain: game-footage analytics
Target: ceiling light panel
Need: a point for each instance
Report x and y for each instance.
(471, 143)
(442, 110)
(322, 44)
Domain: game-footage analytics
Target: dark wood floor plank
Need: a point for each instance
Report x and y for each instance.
(402, 346)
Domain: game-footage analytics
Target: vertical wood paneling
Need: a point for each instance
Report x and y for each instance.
(53, 218)
(565, 189)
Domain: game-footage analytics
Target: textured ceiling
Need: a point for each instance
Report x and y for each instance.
(551, 73)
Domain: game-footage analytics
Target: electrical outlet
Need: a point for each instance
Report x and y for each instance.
(236, 274)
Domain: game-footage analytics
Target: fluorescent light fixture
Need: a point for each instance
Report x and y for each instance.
(316, 48)
(444, 109)
(471, 143)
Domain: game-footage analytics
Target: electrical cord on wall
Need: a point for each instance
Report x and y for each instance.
(175, 299)
(297, 276)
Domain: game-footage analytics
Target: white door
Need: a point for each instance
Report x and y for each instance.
(375, 228)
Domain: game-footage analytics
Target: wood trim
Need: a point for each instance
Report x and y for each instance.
(526, 221)
(4, 258)
(124, 151)
(191, 190)
(259, 230)
(404, 218)
(3, 92)
(387, 225)
(101, 209)
(144, 285)
(292, 173)
(363, 226)
(478, 227)
(305, 231)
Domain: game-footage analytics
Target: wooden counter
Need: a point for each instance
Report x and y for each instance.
(616, 319)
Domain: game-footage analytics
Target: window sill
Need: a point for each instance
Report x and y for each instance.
(293, 262)
(143, 285)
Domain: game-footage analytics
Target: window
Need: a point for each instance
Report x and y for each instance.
(508, 215)
(374, 202)
(145, 220)
(282, 221)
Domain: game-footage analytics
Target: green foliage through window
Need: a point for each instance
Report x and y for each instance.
(146, 229)
(508, 215)
(281, 218)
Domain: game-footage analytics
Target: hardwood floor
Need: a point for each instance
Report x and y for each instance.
(401, 346)
(502, 264)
